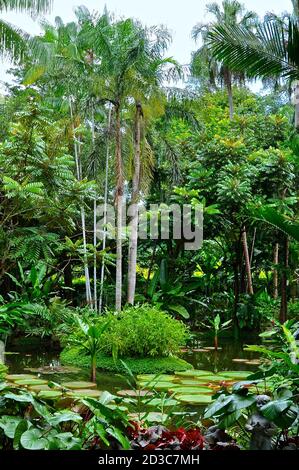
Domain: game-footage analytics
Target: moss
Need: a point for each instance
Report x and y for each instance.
(137, 365)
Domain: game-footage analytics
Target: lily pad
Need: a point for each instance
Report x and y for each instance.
(48, 370)
(167, 402)
(195, 390)
(30, 382)
(236, 374)
(79, 385)
(40, 388)
(134, 393)
(14, 377)
(155, 377)
(193, 373)
(194, 399)
(49, 395)
(84, 393)
(200, 350)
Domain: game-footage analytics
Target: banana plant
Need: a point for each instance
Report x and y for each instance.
(87, 335)
(217, 327)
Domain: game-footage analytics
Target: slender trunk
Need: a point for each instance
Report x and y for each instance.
(275, 272)
(95, 295)
(247, 261)
(252, 246)
(94, 369)
(216, 342)
(296, 102)
(105, 213)
(151, 267)
(228, 82)
(119, 208)
(132, 260)
(79, 177)
(284, 283)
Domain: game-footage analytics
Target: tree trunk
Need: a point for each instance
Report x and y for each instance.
(247, 261)
(228, 82)
(79, 177)
(105, 213)
(296, 102)
(94, 369)
(119, 208)
(284, 283)
(132, 260)
(95, 293)
(275, 272)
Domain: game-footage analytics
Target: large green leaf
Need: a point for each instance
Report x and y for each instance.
(33, 440)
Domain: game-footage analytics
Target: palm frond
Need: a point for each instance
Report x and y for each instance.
(263, 53)
(12, 42)
(30, 6)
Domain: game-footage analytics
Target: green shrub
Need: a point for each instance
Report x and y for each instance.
(137, 365)
(143, 331)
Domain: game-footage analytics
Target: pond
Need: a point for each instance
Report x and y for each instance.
(41, 360)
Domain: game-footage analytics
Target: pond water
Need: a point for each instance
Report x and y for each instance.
(20, 360)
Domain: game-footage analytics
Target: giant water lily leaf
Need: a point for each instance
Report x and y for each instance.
(193, 373)
(152, 377)
(14, 377)
(79, 385)
(49, 395)
(33, 440)
(134, 393)
(41, 388)
(236, 374)
(191, 383)
(194, 399)
(158, 402)
(191, 390)
(30, 382)
(84, 393)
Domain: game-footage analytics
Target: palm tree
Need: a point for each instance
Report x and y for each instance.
(204, 62)
(12, 39)
(271, 50)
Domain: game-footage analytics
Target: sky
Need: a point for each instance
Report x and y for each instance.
(178, 16)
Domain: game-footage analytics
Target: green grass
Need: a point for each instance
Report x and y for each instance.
(137, 365)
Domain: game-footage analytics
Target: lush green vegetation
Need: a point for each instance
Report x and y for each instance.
(96, 118)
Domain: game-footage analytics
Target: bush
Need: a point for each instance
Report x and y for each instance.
(146, 365)
(143, 331)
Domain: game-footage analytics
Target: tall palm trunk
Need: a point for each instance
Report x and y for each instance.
(228, 83)
(105, 213)
(284, 282)
(132, 261)
(296, 102)
(275, 272)
(79, 177)
(119, 207)
(95, 294)
(247, 261)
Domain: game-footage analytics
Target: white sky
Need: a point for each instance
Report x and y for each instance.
(178, 16)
